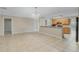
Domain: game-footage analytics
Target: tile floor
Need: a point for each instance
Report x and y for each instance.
(37, 42)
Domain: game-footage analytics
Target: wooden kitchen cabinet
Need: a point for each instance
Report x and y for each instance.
(66, 30)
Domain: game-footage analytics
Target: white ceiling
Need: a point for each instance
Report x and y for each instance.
(44, 11)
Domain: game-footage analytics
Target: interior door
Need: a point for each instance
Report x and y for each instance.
(7, 26)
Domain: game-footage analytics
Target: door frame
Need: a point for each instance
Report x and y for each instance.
(4, 23)
(77, 22)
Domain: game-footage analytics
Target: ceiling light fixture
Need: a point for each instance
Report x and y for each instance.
(35, 14)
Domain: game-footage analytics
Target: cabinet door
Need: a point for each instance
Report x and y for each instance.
(66, 30)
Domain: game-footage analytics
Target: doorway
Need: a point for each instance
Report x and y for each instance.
(7, 26)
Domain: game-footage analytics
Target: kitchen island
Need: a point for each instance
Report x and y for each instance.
(52, 31)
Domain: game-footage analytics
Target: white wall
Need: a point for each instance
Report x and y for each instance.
(42, 22)
(49, 22)
(20, 25)
(1, 26)
(73, 28)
